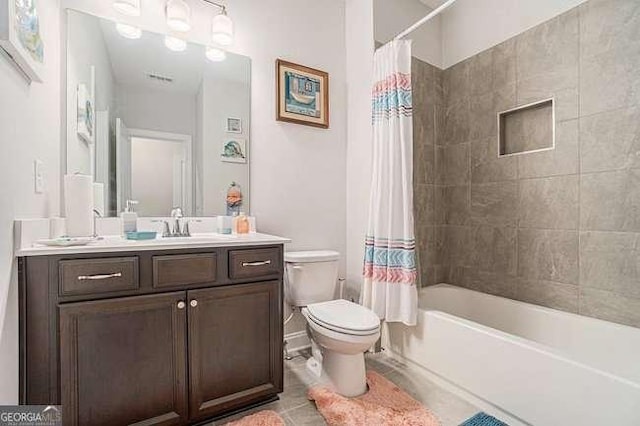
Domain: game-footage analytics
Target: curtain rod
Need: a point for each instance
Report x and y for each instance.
(435, 12)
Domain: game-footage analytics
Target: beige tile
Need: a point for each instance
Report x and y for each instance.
(610, 140)
(456, 82)
(610, 80)
(610, 306)
(457, 122)
(551, 45)
(482, 116)
(424, 202)
(424, 159)
(561, 85)
(504, 63)
(610, 201)
(481, 73)
(498, 284)
(452, 164)
(548, 293)
(452, 245)
(607, 25)
(562, 160)
(548, 255)
(550, 203)
(450, 409)
(486, 166)
(494, 203)
(306, 415)
(610, 261)
(493, 249)
(452, 205)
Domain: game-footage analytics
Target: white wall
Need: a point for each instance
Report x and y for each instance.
(142, 108)
(392, 17)
(87, 48)
(153, 174)
(471, 26)
(359, 53)
(222, 99)
(29, 130)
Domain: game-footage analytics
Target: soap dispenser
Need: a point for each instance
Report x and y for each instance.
(242, 224)
(129, 217)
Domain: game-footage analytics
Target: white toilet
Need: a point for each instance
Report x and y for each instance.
(342, 330)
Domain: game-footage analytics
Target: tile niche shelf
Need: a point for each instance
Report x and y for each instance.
(527, 128)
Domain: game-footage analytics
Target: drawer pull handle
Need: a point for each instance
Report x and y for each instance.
(181, 305)
(261, 263)
(99, 277)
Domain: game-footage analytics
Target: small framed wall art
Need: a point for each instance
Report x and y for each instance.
(234, 151)
(234, 125)
(20, 36)
(302, 95)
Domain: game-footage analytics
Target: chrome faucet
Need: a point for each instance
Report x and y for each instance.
(178, 230)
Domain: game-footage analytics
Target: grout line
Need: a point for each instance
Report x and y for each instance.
(578, 308)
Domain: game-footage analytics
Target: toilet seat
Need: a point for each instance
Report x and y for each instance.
(344, 317)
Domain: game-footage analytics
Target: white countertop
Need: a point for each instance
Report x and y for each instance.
(114, 244)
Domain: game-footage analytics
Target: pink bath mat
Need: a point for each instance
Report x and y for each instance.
(261, 418)
(384, 404)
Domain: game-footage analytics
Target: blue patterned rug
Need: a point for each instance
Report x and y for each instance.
(483, 419)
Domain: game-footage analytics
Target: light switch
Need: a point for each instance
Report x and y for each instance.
(38, 175)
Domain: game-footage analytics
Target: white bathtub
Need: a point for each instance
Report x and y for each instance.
(538, 365)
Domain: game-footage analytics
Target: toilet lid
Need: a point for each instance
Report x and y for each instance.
(342, 315)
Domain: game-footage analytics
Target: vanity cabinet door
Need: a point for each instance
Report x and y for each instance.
(235, 346)
(123, 361)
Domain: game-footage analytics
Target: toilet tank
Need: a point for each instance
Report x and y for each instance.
(311, 276)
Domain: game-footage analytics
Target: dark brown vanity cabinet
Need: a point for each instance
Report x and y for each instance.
(148, 354)
(123, 361)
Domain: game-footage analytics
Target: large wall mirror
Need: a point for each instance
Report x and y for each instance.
(156, 122)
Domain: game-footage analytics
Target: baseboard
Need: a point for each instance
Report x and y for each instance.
(482, 404)
(297, 341)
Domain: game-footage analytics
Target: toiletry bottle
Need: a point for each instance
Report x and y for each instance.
(242, 224)
(129, 217)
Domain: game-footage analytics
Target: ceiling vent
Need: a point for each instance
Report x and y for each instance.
(160, 78)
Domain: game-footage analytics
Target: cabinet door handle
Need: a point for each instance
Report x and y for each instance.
(99, 277)
(181, 305)
(193, 303)
(261, 263)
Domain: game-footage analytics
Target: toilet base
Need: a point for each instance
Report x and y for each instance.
(346, 373)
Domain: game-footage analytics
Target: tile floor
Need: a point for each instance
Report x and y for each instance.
(296, 410)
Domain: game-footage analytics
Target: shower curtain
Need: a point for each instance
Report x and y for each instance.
(390, 274)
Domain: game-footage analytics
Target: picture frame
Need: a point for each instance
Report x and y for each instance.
(234, 150)
(20, 37)
(86, 114)
(302, 94)
(234, 125)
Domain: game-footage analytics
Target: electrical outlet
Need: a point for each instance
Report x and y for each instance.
(38, 176)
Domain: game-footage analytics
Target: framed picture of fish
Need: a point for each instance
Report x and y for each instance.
(234, 151)
(302, 95)
(20, 36)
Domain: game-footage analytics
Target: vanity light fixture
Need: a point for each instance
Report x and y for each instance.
(127, 7)
(178, 15)
(215, 54)
(175, 44)
(128, 31)
(222, 28)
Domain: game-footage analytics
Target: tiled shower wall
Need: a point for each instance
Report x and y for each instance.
(559, 228)
(428, 104)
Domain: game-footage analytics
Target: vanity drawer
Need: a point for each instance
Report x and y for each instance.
(250, 263)
(84, 276)
(183, 269)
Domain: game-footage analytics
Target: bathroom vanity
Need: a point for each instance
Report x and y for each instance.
(141, 333)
